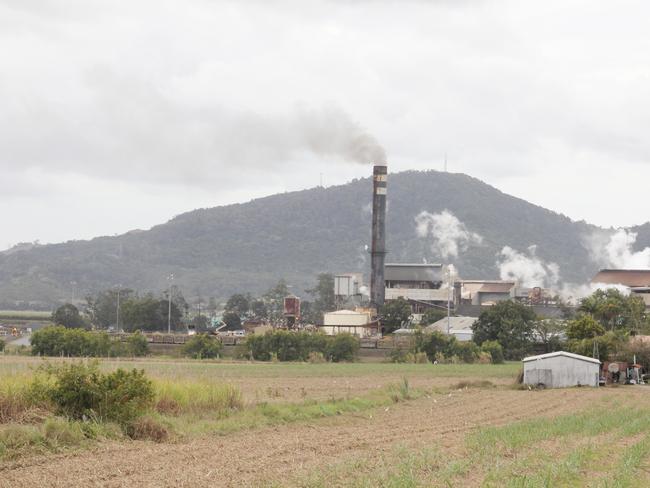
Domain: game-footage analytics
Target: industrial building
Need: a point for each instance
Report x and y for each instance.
(420, 284)
(637, 280)
(484, 292)
(358, 323)
(561, 370)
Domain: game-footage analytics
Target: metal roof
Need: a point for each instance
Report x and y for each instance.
(413, 272)
(561, 353)
(457, 323)
(496, 288)
(627, 277)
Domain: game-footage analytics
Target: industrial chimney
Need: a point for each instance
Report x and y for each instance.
(378, 247)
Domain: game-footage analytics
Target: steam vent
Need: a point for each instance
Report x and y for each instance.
(378, 246)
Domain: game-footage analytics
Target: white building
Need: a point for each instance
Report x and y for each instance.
(350, 321)
(561, 370)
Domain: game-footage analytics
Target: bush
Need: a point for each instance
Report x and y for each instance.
(60, 341)
(608, 345)
(202, 346)
(147, 428)
(342, 347)
(282, 345)
(2, 345)
(79, 391)
(495, 350)
(137, 344)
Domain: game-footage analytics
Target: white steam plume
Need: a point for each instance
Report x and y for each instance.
(448, 234)
(615, 250)
(528, 269)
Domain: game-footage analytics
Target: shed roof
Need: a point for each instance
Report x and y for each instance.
(561, 353)
(627, 277)
(456, 323)
(496, 288)
(412, 272)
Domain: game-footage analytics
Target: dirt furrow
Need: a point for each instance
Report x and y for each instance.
(250, 457)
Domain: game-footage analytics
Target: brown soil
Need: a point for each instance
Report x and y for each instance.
(251, 458)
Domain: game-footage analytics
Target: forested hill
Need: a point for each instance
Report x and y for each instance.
(249, 246)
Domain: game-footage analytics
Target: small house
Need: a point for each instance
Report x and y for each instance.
(561, 370)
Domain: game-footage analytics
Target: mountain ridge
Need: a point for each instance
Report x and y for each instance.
(295, 235)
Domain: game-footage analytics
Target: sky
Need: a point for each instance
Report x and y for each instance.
(118, 115)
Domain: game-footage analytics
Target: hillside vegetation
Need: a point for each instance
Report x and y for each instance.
(248, 247)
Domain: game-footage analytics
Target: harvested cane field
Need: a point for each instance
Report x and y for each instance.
(322, 425)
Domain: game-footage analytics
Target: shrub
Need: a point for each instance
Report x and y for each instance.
(2, 345)
(60, 341)
(80, 391)
(137, 344)
(608, 345)
(287, 346)
(495, 350)
(202, 346)
(342, 347)
(466, 352)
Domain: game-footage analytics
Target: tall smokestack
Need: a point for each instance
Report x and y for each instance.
(378, 248)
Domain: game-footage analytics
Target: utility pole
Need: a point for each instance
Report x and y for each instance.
(448, 300)
(170, 278)
(117, 324)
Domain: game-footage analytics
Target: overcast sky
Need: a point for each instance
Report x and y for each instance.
(119, 115)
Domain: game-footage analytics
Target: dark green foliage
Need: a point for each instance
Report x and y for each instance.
(297, 346)
(239, 304)
(608, 345)
(510, 324)
(394, 314)
(614, 310)
(149, 314)
(2, 345)
(342, 347)
(68, 315)
(102, 308)
(441, 347)
(137, 344)
(296, 235)
(584, 327)
(60, 341)
(202, 346)
(258, 309)
(200, 323)
(495, 350)
(232, 321)
(432, 315)
(323, 295)
(80, 390)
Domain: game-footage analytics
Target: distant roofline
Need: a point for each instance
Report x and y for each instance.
(561, 353)
(509, 282)
(616, 270)
(415, 265)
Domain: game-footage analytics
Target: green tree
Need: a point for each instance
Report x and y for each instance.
(258, 309)
(274, 300)
(342, 347)
(68, 315)
(584, 327)
(102, 308)
(510, 324)
(548, 332)
(232, 321)
(394, 314)
(200, 323)
(202, 346)
(149, 313)
(137, 344)
(238, 303)
(614, 310)
(323, 294)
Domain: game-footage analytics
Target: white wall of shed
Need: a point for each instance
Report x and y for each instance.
(566, 372)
